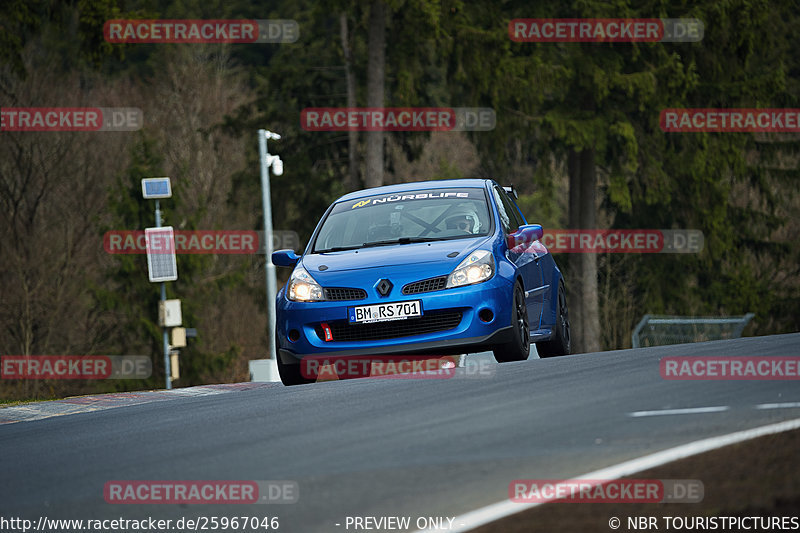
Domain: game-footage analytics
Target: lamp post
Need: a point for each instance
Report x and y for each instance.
(275, 162)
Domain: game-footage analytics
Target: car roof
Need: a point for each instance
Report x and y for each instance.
(416, 186)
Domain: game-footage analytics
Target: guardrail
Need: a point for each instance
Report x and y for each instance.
(659, 330)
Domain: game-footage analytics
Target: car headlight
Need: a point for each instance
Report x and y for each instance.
(303, 288)
(478, 267)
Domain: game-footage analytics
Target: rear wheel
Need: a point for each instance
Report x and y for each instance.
(520, 345)
(290, 374)
(561, 343)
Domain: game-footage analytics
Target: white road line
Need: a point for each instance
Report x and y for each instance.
(496, 511)
(687, 411)
(786, 405)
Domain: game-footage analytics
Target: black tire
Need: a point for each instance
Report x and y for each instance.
(561, 343)
(290, 374)
(519, 347)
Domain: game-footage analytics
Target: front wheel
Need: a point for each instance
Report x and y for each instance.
(561, 343)
(290, 374)
(520, 345)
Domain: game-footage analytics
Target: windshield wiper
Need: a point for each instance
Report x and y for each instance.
(401, 240)
(337, 249)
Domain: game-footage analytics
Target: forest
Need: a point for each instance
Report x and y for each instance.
(578, 131)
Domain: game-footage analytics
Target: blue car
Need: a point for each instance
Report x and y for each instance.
(435, 267)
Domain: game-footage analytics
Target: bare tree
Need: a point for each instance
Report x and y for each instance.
(184, 105)
(445, 154)
(53, 196)
(351, 180)
(376, 73)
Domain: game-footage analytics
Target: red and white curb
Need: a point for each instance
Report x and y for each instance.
(101, 402)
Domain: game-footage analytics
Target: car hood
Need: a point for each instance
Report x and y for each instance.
(394, 255)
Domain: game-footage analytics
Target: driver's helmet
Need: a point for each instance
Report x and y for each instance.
(463, 218)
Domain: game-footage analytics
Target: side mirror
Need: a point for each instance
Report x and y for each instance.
(285, 258)
(525, 235)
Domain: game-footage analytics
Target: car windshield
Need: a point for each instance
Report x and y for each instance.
(415, 216)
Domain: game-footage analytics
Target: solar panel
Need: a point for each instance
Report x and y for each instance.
(161, 265)
(154, 188)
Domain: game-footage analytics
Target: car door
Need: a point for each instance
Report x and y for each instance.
(525, 256)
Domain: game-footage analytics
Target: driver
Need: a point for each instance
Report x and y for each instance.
(464, 219)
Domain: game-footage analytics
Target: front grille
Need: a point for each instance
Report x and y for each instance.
(344, 293)
(431, 322)
(426, 285)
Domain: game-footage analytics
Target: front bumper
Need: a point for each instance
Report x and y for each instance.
(302, 320)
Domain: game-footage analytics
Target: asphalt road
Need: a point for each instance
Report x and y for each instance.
(400, 447)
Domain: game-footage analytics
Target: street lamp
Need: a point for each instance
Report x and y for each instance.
(275, 162)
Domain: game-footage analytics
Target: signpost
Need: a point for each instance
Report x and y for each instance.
(161, 263)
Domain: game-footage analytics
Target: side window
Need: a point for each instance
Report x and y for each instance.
(511, 212)
(501, 208)
(512, 209)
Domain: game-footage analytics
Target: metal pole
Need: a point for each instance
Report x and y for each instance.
(269, 267)
(167, 366)
(637, 330)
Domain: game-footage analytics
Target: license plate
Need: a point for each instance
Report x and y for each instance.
(385, 312)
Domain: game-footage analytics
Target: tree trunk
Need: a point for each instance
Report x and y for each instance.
(588, 210)
(351, 181)
(376, 67)
(583, 291)
(573, 283)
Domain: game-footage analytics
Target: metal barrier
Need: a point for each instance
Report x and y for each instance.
(659, 330)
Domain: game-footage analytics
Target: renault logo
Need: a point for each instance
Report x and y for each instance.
(384, 287)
